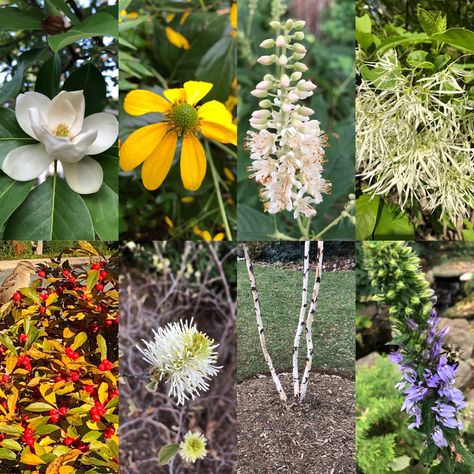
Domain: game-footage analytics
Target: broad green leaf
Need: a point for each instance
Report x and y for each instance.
(427, 22)
(39, 407)
(367, 208)
(31, 294)
(100, 24)
(12, 88)
(468, 234)
(8, 343)
(89, 79)
(393, 224)
(11, 135)
(417, 58)
(12, 18)
(66, 9)
(52, 211)
(11, 444)
(92, 279)
(364, 24)
(46, 429)
(402, 40)
(7, 454)
(460, 38)
(102, 345)
(11, 429)
(12, 194)
(167, 453)
(253, 224)
(47, 81)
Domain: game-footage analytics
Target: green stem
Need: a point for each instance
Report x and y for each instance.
(215, 178)
(304, 229)
(225, 148)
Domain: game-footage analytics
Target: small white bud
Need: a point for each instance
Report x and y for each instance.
(299, 36)
(299, 24)
(264, 85)
(282, 60)
(268, 43)
(266, 60)
(299, 48)
(300, 67)
(292, 97)
(286, 107)
(285, 80)
(259, 93)
(265, 104)
(268, 77)
(296, 76)
(280, 41)
(275, 25)
(305, 111)
(297, 56)
(259, 114)
(289, 25)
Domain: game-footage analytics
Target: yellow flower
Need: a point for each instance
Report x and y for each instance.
(183, 19)
(193, 447)
(169, 222)
(155, 145)
(229, 175)
(176, 39)
(233, 16)
(129, 16)
(206, 235)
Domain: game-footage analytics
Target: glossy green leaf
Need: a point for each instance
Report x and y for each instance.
(12, 18)
(253, 224)
(11, 444)
(367, 208)
(39, 407)
(417, 58)
(402, 40)
(11, 135)
(90, 80)
(12, 194)
(66, 9)
(363, 24)
(7, 454)
(52, 211)
(100, 24)
(167, 453)
(428, 22)
(460, 38)
(47, 81)
(12, 88)
(393, 224)
(46, 429)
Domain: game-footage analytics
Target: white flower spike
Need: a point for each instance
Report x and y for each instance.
(64, 135)
(183, 357)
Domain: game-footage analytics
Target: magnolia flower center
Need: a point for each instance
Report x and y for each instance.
(184, 118)
(62, 130)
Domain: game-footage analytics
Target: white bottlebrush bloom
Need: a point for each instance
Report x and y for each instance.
(65, 135)
(183, 357)
(414, 137)
(193, 446)
(287, 151)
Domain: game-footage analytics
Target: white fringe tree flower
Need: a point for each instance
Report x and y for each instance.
(65, 136)
(414, 137)
(183, 357)
(287, 149)
(193, 446)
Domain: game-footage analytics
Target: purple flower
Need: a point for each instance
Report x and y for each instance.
(414, 394)
(453, 395)
(396, 357)
(438, 438)
(445, 414)
(411, 324)
(432, 380)
(416, 412)
(446, 372)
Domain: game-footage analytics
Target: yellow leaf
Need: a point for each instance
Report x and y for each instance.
(10, 363)
(66, 469)
(55, 466)
(48, 393)
(12, 399)
(52, 298)
(31, 459)
(103, 392)
(79, 340)
(67, 333)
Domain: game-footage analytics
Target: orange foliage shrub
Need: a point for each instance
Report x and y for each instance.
(59, 371)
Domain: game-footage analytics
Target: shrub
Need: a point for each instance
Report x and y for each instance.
(58, 371)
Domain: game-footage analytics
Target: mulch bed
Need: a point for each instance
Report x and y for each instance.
(317, 436)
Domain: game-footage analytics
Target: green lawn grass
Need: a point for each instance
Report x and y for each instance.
(280, 298)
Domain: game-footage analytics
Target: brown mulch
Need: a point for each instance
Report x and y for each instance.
(314, 437)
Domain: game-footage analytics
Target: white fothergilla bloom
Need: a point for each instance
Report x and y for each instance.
(183, 357)
(287, 150)
(65, 135)
(193, 446)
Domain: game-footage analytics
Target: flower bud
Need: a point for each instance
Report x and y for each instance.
(299, 48)
(296, 76)
(259, 93)
(300, 67)
(297, 56)
(265, 104)
(305, 111)
(280, 41)
(299, 36)
(275, 25)
(289, 25)
(266, 60)
(286, 107)
(282, 60)
(305, 86)
(292, 97)
(299, 24)
(264, 85)
(259, 126)
(268, 77)
(268, 43)
(259, 114)
(285, 80)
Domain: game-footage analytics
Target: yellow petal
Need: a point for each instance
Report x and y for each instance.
(158, 164)
(233, 16)
(176, 39)
(193, 163)
(140, 145)
(219, 236)
(196, 90)
(206, 236)
(175, 95)
(215, 111)
(141, 102)
(220, 133)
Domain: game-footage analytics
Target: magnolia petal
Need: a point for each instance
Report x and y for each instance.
(192, 163)
(67, 108)
(219, 133)
(140, 145)
(196, 90)
(24, 103)
(61, 148)
(27, 162)
(215, 111)
(85, 176)
(157, 166)
(175, 95)
(141, 102)
(107, 127)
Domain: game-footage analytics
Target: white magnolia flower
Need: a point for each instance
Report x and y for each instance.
(193, 446)
(64, 135)
(183, 357)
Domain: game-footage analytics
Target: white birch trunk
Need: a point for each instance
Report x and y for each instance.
(261, 334)
(309, 321)
(299, 328)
